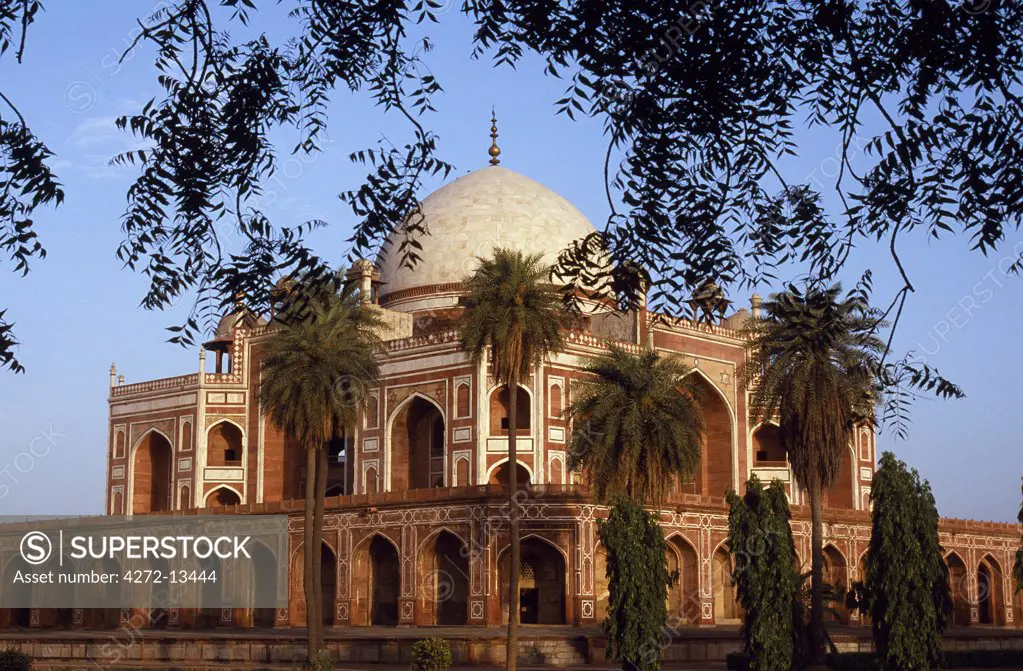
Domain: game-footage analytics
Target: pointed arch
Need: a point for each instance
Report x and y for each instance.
(150, 473)
(376, 580)
(766, 441)
(439, 530)
(959, 585)
(498, 399)
(225, 443)
(402, 462)
(543, 581)
(836, 574)
(683, 601)
(442, 579)
(726, 607)
(990, 592)
(492, 471)
(221, 492)
(719, 459)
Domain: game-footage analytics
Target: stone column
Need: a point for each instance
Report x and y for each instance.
(971, 582)
(477, 576)
(706, 560)
(407, 601)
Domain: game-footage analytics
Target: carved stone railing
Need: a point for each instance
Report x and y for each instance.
(587, 340)
(414, 342)
(179, 382)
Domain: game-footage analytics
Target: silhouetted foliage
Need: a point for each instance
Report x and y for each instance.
(701, 103)
(26, 181)
(907, 586)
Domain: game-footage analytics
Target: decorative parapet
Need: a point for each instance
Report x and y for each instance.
(587, 340)
(679, 324)
(163, 384)
(439, 338)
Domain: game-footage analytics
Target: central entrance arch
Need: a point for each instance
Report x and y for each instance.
(715, 472)
(542, 586)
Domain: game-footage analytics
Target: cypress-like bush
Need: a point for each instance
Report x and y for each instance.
(638, 580)
(907, 588)
(766, 575)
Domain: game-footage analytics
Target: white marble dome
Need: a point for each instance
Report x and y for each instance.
(468, 218)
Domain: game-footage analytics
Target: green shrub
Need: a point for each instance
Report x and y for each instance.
(637, 582)
(431, 654)
(13, 660)
(907, 585)
(766, 577)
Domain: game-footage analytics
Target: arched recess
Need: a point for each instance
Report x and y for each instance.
(224, 442)
(498, 474)
(259, 581)
(542, 582)
(372, 411)
(767, 446)
(990, 597)
(499, 405)
(151, 473)
(443, 580)
(328, 584)
(376, 581)
(461, 472)
(463, 405)
(555, 400)
(416, 444)
(715, 474)
(371, 482)
(224, 495)
(726, 608)
(683, 601)
(959, 585)
(556, 471)
(117, 503)
(186, 436)
(836, 575)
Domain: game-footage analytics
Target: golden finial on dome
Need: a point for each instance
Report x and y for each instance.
(495, 151)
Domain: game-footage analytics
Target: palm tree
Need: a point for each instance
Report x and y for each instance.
(636, 423)
(812, 362)
(514, 313)
(314, 371)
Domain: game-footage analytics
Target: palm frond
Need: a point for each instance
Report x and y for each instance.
(636, 424)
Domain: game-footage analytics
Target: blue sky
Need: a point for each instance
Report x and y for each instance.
(77, 311)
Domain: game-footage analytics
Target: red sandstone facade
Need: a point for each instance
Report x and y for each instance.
(416, 516)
